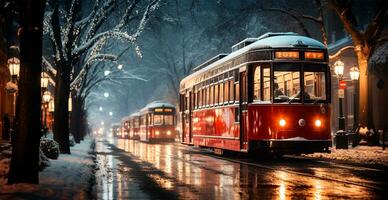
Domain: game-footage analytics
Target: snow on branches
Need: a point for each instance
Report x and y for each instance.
(79, 34)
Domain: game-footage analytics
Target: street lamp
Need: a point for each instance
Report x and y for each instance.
(100, 108)
(120, 66)
(354, 73)
(46, 97)
(106, 72)
(110, 113)
(51, 105)
(339, 71)
(354, 76)
(44, 79)
(106, 94)
(339, 67)
(14, 67)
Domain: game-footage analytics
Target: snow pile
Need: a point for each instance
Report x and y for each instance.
(69, 177)
(359, 154)
(49, 147)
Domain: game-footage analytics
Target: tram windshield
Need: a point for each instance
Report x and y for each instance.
(168, 119)
(287, 83)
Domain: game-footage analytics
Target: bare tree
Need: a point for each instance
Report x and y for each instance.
(25, 153)
(365, 42)
(77, 39)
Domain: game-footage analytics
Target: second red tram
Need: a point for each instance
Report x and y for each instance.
(270, 94)
(157, 122)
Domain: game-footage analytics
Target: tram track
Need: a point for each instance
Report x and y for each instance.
(272, 168)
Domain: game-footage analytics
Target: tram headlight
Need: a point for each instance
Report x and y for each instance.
(156, 132)
(282, 122)
(318, 123)
(168, 132)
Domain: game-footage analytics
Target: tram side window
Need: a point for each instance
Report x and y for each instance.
(237, 92)
(314, 86)
(231, 89)
(216, 90)
(266, 84)
(211, 95)
(226, 87)
(221, 93)
(256, 84)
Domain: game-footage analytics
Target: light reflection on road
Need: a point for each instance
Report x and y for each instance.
(193, 175)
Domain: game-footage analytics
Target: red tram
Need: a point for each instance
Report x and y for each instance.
(157, 122)
(134, 126)
(271, 94)
(116, 127)
(124, 127)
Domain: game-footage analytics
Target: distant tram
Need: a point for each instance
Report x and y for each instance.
(124, 127)
(157, 122)
(134, 126)
(271, 94)
(116, 130)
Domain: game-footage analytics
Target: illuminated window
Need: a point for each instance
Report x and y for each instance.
(221, 93)
(226, 94)
(158, 119)
(216, 97)
(231, 84)
(256, 84)
(314, 86)
(211, 95)
(266, 84)
(168, 120)
(237, 92)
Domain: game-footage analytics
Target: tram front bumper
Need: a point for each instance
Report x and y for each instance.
(292, 147)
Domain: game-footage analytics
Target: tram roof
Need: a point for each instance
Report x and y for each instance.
(136, 114)
(266, 41)
(115, 124)
(157, 104)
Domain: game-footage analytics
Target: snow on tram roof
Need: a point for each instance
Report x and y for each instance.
(136, 114)
(156, 104)
(266, 41)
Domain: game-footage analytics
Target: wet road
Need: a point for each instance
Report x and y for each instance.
(134, 170)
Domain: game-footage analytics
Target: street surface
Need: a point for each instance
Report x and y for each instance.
(131, 169)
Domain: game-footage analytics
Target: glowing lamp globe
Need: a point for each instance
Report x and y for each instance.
(354, 73)
(46, 96)
(339, 67)
(44, 79)
(14, 66)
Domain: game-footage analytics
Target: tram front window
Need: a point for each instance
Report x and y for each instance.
(168, 120)
(314, 86)
(286, 85)
(158, 119)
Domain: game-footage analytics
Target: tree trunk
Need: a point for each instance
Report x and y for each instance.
(76, 120)
(364, 96)
(61, 115)
(25, 152)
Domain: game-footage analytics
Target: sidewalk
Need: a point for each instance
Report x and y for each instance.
(360, 155)
(69, 177)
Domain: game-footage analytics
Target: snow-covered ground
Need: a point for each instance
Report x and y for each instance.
(69, 177)
(359, 154)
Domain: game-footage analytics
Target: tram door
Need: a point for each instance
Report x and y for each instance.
(186, 118)
(243, 107)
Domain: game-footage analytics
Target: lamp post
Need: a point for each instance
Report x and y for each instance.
(339, 71)
(46, 99)
(354, 76)
(46, 96)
